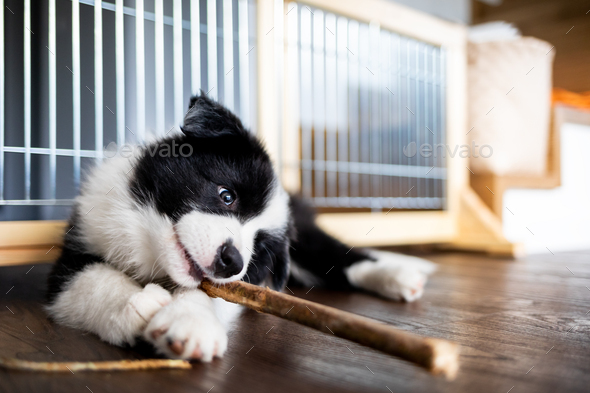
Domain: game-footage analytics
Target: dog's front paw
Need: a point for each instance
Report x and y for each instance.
(149, 301)
(187, 332)
(394, 276)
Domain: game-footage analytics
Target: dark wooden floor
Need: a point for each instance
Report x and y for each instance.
(523, 325)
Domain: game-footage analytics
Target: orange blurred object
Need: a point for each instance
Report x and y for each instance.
(579, 100)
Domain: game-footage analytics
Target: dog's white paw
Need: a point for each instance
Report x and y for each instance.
(187, 330)
(394, 276)
(149, 301)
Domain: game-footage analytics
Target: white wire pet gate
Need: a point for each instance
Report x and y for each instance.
(365, 94)
(76, 75)
(369, 100)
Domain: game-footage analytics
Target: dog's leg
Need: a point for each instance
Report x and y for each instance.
(188, 327)
(391, 275)
(105, 301)
(319, 259)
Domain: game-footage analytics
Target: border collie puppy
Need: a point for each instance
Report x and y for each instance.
(149, 227)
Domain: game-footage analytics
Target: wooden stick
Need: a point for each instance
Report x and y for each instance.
(438, 356)
(115, 365)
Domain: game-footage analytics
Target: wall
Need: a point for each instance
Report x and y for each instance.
(559, 219)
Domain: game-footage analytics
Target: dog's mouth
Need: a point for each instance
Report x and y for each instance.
(195, 271)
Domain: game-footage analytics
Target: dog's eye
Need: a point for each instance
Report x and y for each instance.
(226, 196)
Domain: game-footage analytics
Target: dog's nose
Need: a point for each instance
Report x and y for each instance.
(229, 261)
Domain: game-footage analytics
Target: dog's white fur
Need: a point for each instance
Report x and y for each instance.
(395, 276)
(140, 246)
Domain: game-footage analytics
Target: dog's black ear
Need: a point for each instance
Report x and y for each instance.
(206, 118)
(270, 260)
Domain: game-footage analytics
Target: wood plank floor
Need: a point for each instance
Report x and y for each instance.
(524, 326)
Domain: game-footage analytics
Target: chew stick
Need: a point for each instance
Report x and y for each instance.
(115, 365)
(438, 356)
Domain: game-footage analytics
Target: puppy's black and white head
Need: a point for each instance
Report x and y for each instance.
(226, 211)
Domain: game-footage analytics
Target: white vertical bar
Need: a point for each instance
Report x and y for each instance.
(306, 102)
(195, 47)
(98, 91)
(353, 103)
(76, 93)
(375, 110)
(159, 43)
(212, 49)
(364, 104)
(27, 96)
(279, 31)
(228, 55)
(120, 71)
(52, 68)
(386, 114)
(1, 99)
(398, 91)
(177, 47)
(443, 120)
(140, 69)
(319, 99)
(342, 94)
(243, 49)
(331, 102)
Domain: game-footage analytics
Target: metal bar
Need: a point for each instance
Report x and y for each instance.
(435, 94)
(243, 52)
(279, 31)
(140, 70)
(98, 89)
(364, 101)
(319, 99)
(379, 202)
(1, 100)
(399, 113)
(52, 97)
(48, 151)
(120, 71)
(443, 115)
(428, 110)
(375, 86)
(331, 102)
(212, 49)
(228, 55)
(195, 47)
(27, 96)
(36, 202)
(76, 90)
(353, 102)
(159, 52)
(417, 113)
(342, 97)
(370, 168)
(386, 115)
(178, 77)
(306, 102)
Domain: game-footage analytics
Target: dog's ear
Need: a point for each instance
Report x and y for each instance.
(206, 118)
